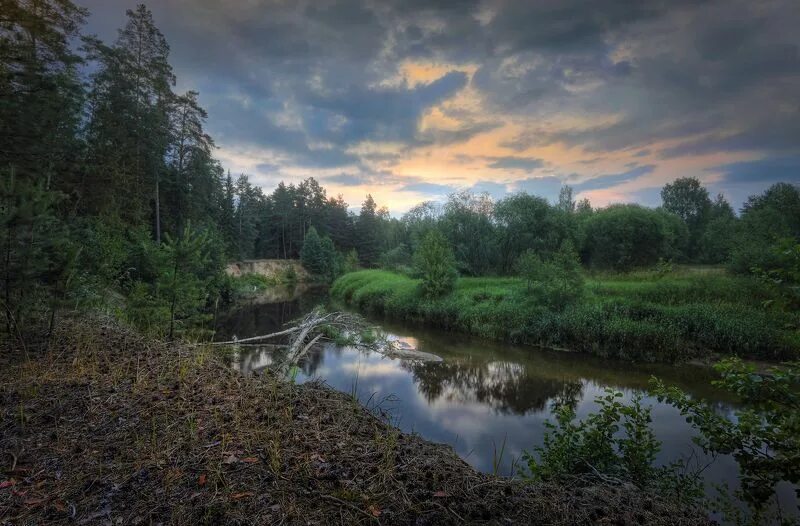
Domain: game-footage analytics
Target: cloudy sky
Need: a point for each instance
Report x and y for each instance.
(413, 99)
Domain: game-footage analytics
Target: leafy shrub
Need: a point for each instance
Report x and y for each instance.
(556, 281)
(766, 220)
(785, 273)
(764, 436)
(664, 268)
(718, 240)
(350, 262)
(436, 265)
(248, 284)
(615, 443)
(290, 275)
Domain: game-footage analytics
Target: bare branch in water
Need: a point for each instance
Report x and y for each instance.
(310, 330)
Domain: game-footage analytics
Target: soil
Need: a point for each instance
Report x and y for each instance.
(269, 268)
(110, 427)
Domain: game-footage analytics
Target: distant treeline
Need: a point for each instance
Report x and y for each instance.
(488, 237)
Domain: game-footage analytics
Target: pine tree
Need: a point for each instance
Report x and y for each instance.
(313, 254)
(249, 206)
(566, 199)
(129, 120)
(367, 229)
(191, 147)
(185, 257)
(227, 223)
(35, 256)
(40, 89)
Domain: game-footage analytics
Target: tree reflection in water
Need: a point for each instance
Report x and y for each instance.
(507, 387)
(482, 393)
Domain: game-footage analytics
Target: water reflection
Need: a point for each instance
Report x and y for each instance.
(268, 312)
(486, 396)
(507, 387)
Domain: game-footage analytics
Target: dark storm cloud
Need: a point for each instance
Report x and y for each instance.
(527, 164)
(307, 81)
(725, 72)
(771, 170)
(519, 143)
(460, 135)
(605, 181)
(428, 188)
(383, 114)
(346, 179)
(547, 187)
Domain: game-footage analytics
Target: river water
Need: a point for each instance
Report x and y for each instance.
(488, 400)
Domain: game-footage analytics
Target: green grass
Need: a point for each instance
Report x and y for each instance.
(640, 317)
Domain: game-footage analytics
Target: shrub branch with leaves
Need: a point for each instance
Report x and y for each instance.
(764, 437)
(556, 281)
(614, 444)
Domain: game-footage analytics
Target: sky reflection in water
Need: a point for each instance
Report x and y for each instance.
(486, 396)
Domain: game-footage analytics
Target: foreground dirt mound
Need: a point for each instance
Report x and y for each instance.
(109, 427)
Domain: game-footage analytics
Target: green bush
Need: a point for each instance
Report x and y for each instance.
(766, 220)
(398, 258)
(595, 446)
(556, 281)
(319, 257)
(249, 284)
(764, 436)
(436, 265)
(615, 443)
(623, 237)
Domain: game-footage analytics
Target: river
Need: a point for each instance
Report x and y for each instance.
(488, 400)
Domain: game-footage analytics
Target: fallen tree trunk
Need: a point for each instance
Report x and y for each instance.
(307, 332)
(316, 326)
(258, 338)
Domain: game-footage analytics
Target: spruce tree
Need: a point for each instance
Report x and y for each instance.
(367, 230)
(41, 95)
(313, 254)
(35, 254)
(128, 130)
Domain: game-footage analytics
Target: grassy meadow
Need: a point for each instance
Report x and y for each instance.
(688, 313)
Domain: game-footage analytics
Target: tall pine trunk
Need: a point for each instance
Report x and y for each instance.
(158, 212)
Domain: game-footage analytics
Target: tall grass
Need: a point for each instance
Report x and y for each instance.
(669, 318)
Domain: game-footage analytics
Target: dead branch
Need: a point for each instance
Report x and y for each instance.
(258, 338)
(305, 333)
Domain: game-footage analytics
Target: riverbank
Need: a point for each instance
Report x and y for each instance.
(111, 427)
(644, 318)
